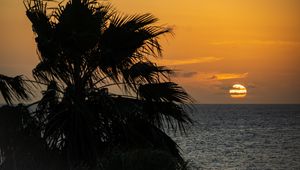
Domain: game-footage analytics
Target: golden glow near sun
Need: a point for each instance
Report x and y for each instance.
(238, 91)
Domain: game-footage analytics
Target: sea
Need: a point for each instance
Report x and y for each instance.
(242, 137)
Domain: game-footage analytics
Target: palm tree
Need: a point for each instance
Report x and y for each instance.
(85, 47)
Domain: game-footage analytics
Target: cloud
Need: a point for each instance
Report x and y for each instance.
(228, 76)
(186, 74)
(197, 60)
(255, 42)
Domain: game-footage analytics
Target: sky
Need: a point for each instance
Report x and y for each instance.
(217, 43)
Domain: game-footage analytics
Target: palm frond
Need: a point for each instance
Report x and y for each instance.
(142, 134)
(134, 22)
(36, 11)
(146, 72)
(143, 73)
(78, 27)
(166, 115)
(166, 91)
(50, 98)
(14, 88)
(63, 132)
(41, 72)
(49, 70)
(128, 40)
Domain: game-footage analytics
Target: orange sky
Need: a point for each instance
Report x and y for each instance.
(217, 43)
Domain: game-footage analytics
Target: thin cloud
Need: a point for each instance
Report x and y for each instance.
(198, 60)
(186, 74)
(228, 76)
(256, 42)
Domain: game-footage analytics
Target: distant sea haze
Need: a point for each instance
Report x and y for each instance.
(243, 137)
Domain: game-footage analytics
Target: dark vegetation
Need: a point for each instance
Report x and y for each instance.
(85, 47)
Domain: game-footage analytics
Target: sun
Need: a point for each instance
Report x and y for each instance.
(238, 91)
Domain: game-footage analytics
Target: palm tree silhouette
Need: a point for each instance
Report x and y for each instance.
(85, 47)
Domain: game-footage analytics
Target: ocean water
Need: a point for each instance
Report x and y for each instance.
(243, 137)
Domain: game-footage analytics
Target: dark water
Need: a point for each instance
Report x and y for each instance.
(243, 137)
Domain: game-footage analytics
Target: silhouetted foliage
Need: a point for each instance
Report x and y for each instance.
(85, 47)
(14, 88)
(21, 144)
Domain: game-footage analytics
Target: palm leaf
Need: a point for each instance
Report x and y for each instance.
(127, 40)
(49, 70)
(14, 88)
(36, 11)
(146, 72)
(142, 134)
(166, 115)
(166, 91)
(49, 101)
(77, 29)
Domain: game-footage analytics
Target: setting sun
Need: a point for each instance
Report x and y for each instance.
(238, 91)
